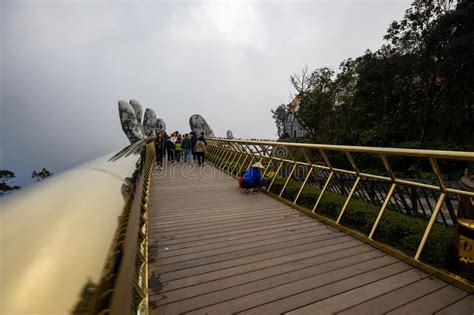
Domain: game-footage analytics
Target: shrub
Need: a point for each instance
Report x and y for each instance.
(396, 229)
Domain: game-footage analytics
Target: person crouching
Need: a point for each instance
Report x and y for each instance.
(252, 178)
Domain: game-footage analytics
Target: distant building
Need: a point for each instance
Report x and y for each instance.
(292, 127)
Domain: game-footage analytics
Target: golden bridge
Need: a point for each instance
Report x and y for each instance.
(338, 229)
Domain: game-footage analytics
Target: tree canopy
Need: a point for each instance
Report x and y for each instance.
(417, 90)
(40, 175)
(5, 188)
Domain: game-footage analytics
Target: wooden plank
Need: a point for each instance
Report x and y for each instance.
(239, 261)
(218, 251)
(170, 242)
(298, 293)
(346, 299)
(222, 290)
(260, 252)
(210, 230)
(214, 210)
(396, 298)
(171, 239)
(464, 306)
(262, 245)
(432, 302)
(191, 247)
(229, 272)
(222, 217)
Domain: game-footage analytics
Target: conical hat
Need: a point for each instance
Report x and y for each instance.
(259, 165)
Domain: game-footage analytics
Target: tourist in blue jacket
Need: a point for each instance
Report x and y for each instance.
(252, 178)
(187, 146)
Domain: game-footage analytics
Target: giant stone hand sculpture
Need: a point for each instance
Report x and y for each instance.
(137, 107)
(131, 120)
(198, 124)
(160, 125)
(149, 123)
(130, 125)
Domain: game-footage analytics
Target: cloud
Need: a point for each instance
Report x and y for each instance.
(65, 64)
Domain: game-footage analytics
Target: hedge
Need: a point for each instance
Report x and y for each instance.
(396, 229)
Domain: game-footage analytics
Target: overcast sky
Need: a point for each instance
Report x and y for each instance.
(65, 64)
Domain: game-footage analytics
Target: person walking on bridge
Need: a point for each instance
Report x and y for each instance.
(178, 149)
(252, 177)
(194, 139)
(200, 149)
(170, 150)
(160, 143)
(187, 146)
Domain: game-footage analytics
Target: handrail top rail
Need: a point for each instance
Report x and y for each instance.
(438, 154)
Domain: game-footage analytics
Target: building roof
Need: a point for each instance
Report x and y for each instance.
(293, 106)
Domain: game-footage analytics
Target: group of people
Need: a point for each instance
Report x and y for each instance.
(176, 147)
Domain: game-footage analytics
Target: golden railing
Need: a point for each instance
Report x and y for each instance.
(124, 285)
(234, 156)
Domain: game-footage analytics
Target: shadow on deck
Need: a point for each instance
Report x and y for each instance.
(215, 250)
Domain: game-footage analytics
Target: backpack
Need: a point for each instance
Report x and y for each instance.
(200, 146)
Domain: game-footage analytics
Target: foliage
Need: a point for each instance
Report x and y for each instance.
(279, 114)
(40, 175)
(416, 90)
(5, 188)
(396, 229)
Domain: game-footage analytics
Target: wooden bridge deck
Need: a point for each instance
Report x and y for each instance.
(215, 250)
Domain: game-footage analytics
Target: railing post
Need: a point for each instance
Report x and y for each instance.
(233, 154)
(310, 170)
(346, 204)
(431, 222)
(223, 155)
(267, 167)
(353, 189)
(241, 153)
(382, 210)
(274, 176)
(331, 174)
(288, 179)
(210, 153)
(242, 165)
(434, 214)
(387, 198)
(213, 151)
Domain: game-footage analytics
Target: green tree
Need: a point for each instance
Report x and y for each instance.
(5, 188)
(40, 175)
(316, 102)
(415, 91)
(380, 111)
(449, 60)
(407, 35)
(315, 111)
(280, 114)
(344, 90)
